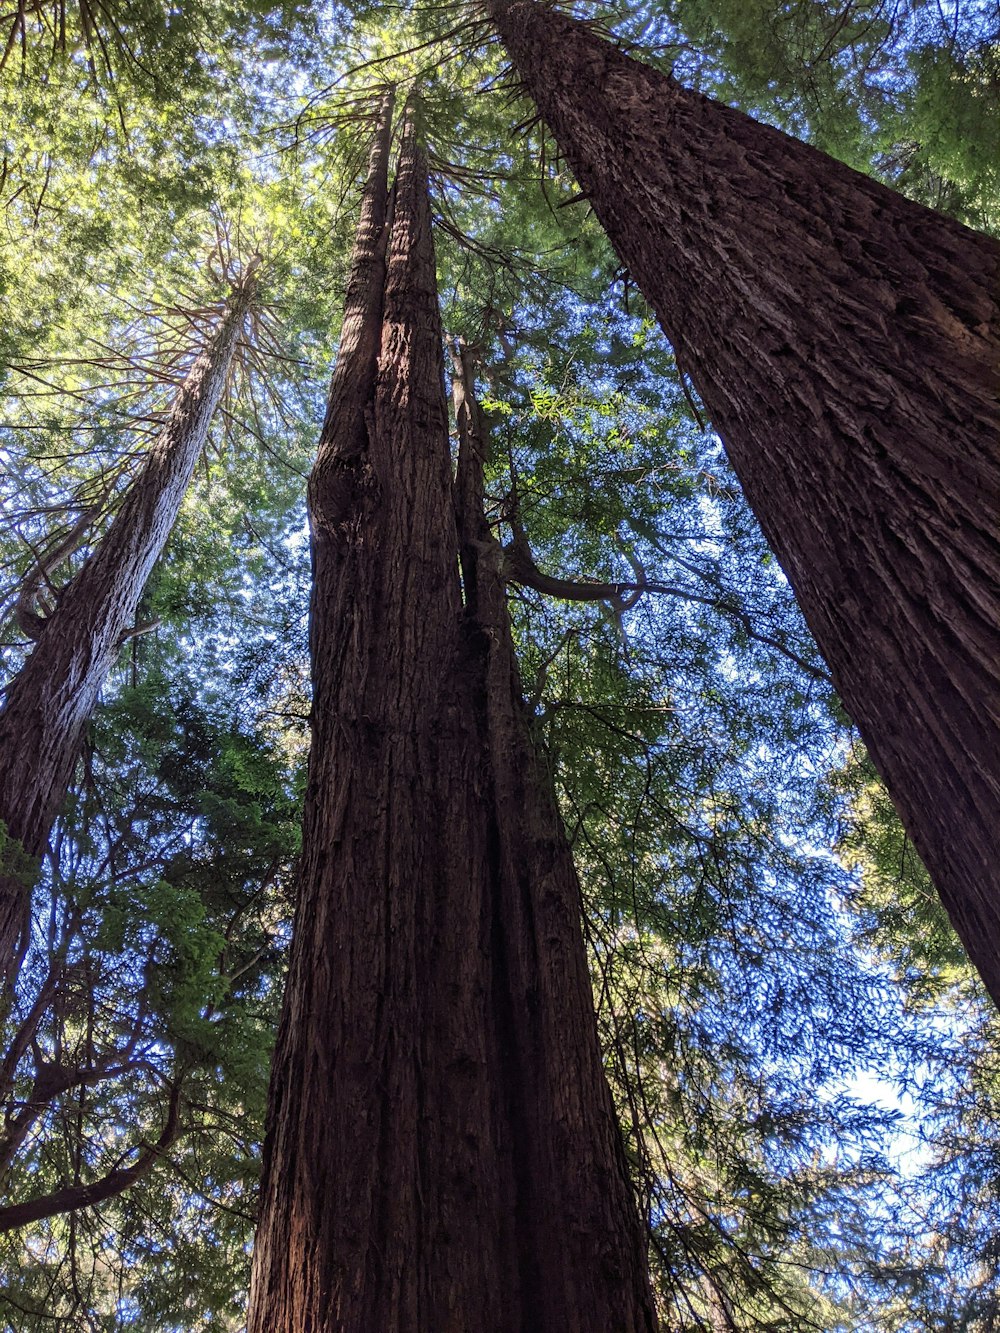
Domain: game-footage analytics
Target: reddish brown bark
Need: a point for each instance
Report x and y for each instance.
(442, 1152)
(846, 343)
(49, 702)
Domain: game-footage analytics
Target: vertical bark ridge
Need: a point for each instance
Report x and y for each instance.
(846, 342)
(344, 430)
(441, 1154)
(49, 702)
(581, 1248)
(349, 1205)
(473, 448)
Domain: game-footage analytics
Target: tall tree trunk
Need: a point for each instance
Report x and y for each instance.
(442, 1153)
(49, 702)
(846, 343)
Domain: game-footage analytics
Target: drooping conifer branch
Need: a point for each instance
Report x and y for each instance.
(73, 1197)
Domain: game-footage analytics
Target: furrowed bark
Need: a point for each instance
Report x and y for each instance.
(345, 430)
(49, 702)
(442, 1153)
(581, 1249)
(846, 343)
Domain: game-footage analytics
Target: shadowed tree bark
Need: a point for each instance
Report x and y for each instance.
(846, 343)
(442, 1152)
(49, 702)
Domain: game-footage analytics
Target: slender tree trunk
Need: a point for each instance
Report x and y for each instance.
(846, 343)
(442, 1154)
(49, 702)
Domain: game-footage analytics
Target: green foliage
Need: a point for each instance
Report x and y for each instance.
(900, 917)
(166, 973)
(953, 127)
(764, 941)
(15, 863)
(909, 91)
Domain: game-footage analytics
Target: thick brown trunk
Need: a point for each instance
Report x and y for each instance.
(48, 703)
(847, 345)
(442, 1153)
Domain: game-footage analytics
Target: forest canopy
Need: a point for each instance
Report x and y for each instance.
(801, 1057)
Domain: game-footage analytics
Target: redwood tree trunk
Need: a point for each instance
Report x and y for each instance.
(442, 1153)
(846, 343)
(49, 702)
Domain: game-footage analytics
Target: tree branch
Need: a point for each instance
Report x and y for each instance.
(115, 1182)
(520, 567)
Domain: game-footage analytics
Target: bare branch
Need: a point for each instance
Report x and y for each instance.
(74, 1197)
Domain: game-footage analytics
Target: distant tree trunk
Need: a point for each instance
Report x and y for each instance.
(846, 343)
(49, 702)
(442, 1154)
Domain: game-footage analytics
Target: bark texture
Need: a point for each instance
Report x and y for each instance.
(49, 702)
(442, 1153)
(846, 343)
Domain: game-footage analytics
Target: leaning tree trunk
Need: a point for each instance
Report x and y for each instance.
(846, 343)
(442, 1154)
(49, 702)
